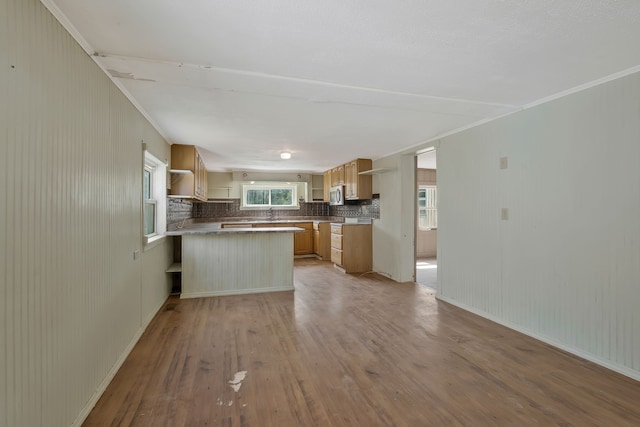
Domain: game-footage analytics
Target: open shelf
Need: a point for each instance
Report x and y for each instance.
(181, 171)
(375, 171)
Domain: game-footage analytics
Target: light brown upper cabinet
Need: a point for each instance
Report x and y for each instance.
(188, 173)
(337, 176)
(326, 184)
(358, 186)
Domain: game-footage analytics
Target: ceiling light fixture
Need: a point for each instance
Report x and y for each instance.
(285, 155)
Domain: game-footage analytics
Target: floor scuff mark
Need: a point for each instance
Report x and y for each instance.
(236, 382)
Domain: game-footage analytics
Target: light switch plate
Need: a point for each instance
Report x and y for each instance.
(136, 254)
(504, 162)
(505, 214)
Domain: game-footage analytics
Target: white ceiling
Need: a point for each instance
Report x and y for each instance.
(334, 80)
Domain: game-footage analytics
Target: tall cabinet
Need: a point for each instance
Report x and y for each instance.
(188, 173)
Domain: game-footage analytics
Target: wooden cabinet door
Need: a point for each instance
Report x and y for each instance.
(187, 158)
(203, 179)
(337, 176)
(326, 184)
(358, 186)
(303, 242)
(350, 180)
(316, 242)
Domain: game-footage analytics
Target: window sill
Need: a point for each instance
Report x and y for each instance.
(152, 242)
(262, 208)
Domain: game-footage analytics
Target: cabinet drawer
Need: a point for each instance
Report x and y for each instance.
(336, 229)
(336, 256)
(336, 241)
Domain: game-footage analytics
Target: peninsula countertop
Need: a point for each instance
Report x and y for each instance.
(216, 228)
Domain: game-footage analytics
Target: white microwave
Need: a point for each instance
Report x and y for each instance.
(336, 195)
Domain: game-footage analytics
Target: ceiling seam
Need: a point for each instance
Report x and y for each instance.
(300, 80)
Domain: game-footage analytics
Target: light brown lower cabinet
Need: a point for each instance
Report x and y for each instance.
(352, 247)
(303, 242)
(322, 240)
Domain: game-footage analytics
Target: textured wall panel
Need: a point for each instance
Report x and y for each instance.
(225, 264)
(71, 294)
(565, 266)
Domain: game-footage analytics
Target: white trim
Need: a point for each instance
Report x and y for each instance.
(631, 373)
(267, 186)
(84, 44)
(415, 148)
(235, 292)
(158, 170)
(71, 29)
(153, 241)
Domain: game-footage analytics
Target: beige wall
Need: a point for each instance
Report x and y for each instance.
(426, 240)
(565, 266)
(73, 298)
(393, 233)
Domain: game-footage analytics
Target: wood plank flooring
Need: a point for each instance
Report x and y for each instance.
(347, 350)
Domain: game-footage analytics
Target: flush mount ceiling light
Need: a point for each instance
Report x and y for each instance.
(285, 155)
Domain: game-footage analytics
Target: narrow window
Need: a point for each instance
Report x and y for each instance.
(149, 203)
(427, 208)
(154, 199)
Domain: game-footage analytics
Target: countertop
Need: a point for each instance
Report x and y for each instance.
(215, 228)
(209, 227)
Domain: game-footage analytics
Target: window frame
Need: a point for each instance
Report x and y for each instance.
(427, 208)
(157, 197)
(270, 186)
(149, 168)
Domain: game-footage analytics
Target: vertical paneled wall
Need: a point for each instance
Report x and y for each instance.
(565, 265)
(72, 297)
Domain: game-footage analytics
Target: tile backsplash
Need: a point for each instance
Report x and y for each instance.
(231, 208)
(357, 209)
(179, 210)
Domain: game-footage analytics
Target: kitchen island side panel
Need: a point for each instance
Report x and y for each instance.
(230, 264)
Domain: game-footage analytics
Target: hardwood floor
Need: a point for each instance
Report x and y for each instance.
(347, 350)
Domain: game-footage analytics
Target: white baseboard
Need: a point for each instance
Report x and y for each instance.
(84, 413)
(624, 370)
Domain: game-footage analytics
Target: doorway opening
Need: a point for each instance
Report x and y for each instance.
(426, 230)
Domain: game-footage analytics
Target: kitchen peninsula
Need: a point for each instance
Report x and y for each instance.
(230, 261)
